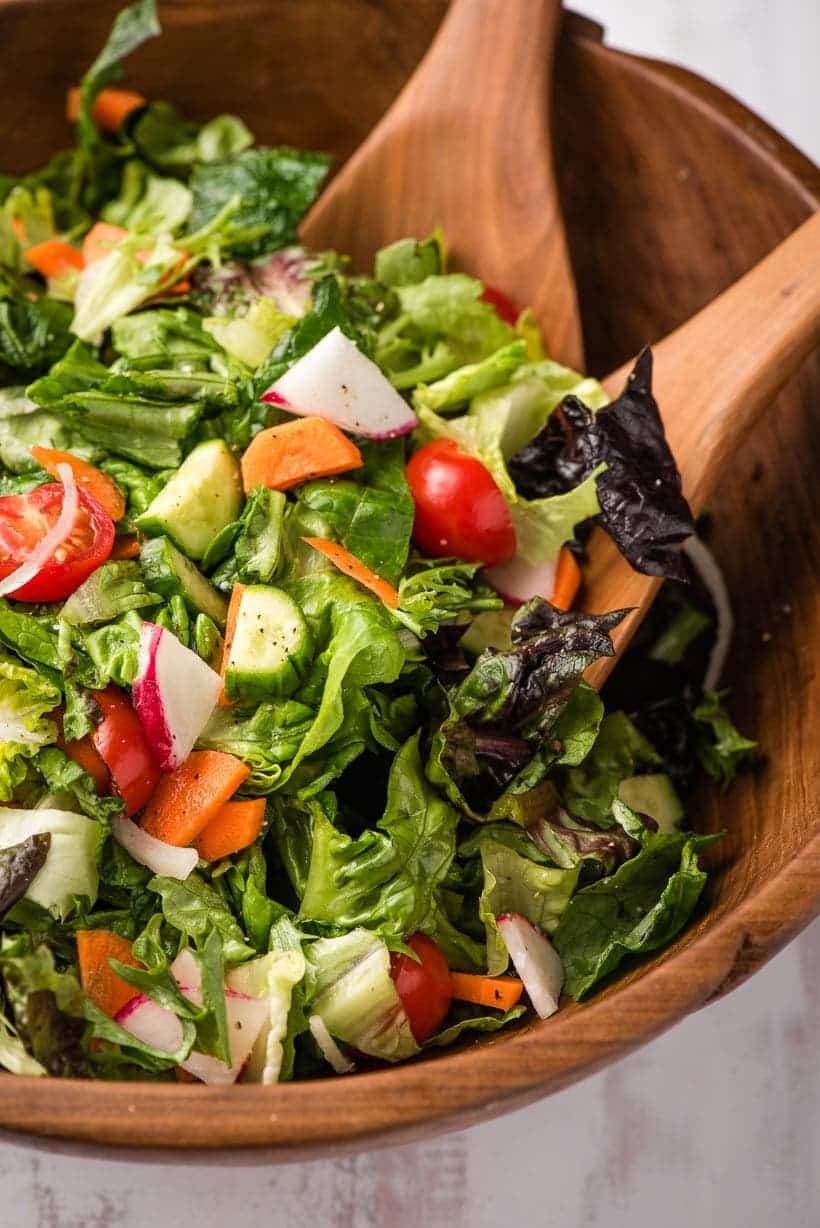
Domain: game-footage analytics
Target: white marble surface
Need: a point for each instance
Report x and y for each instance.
(714, 1125)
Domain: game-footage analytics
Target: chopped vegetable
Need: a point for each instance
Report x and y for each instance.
(185, 802)
(353, 567)
(501, 992)
(95, 483)
(286, 456)
(95, 950)
(233, 828)
(53, 257)
(110, 110)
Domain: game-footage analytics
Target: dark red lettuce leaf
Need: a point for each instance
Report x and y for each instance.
(642, 504)
(19, 866)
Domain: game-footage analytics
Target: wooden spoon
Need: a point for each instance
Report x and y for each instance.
(467, 146)
(713, 377)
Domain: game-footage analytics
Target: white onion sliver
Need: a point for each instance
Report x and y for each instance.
(330, 1050)
(59, 532)
(706, 565)
(162, 858)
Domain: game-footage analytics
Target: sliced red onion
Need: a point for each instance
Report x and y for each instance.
(330, 1050)
(535, 960)
(59, 533)
(161, 858)
(706, 565)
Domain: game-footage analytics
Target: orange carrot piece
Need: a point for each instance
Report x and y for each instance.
(567, 580)
(230, 629)
(100, 239)
(185, 802)
(100, 982)
(110, 110)
(355, 568)
(234, 828)
(285, 456)
(85, 754)
(54, 257)
(125, 547)
(501, 992)
(99, 485)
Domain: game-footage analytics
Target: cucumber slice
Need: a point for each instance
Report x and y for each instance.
(203, 496)
(653, 794)
(169, 573)
(271, 647)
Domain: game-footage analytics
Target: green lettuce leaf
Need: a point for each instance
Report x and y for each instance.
(252, 336)
(74, 788)
(34, 329)
(275, 188)
(472, 1022)
(132, 26)
(70, 870)
(638, 909)
(719, 745)
(409, 261)
(111, 590)
(148, 203)
(466, 382)
(254, 542)
(47, 1004)
(25, 699)
(384, 879)
(434, 592)
(273, 977)
(267, 740)
(589, 790)
(194, 907)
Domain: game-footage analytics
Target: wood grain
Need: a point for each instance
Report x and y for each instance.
(466, 146)
(755, 334)
(671, 191)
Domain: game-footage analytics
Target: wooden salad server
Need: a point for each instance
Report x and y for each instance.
(713, 377)
(467, 146)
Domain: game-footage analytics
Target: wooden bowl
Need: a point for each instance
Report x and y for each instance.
(671, 190)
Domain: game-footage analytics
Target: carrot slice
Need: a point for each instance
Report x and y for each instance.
(235, 827)
(85, 755)
(184, 803)
(351, 566)
(54, 257)
(99, 485)
(567, 580)
(125, 547)
(230, 629)
(100, 982)
(501, 992)
(100, 239)
(285, 456)
(110, 110)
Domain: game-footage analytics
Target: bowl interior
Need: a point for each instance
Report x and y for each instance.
(671, 190)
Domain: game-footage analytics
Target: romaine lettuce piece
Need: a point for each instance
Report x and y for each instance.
(251, 337)
(356, 998)
(71, 865)
(272, 977)
(25, 699)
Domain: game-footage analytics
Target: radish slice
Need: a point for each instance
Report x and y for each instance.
(518, 581)
(187, 973)
(536, 962)
(335, 380)
(59, 533)
(245, 1019)
(330, 1050)
(706, 565)
(150, 1023)
(158, 856)
(174, 694)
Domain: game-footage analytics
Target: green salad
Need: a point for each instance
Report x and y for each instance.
(299, 771)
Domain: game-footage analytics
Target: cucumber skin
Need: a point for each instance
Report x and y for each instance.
(255, 684)
(174, 519)
(162, 570)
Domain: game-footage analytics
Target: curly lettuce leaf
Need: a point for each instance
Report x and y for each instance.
(589, 789)
(148, 203)
(25, 699)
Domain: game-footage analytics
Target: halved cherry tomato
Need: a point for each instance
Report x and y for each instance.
(120, 742)
(503, 306)
(25, 520)
(459, 508)
(424, 988)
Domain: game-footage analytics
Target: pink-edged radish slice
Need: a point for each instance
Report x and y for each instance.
(246, 1017)
(536, 961)
(174, 694)
(335, 380)
(150, 1023)
(188, 975)
(329, 1049)
(518, 581)
(162, 858)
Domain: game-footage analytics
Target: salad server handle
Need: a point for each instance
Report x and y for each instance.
(467, 146)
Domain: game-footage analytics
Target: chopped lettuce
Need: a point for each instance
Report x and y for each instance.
(273, 977)
(25, 699)
(70, 870)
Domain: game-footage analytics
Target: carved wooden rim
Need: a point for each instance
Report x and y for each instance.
(499, 1074)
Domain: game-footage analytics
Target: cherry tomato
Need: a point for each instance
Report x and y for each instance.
(120, 742)
(424, 988)
(504, 307)
(459, 509)
(25, 520)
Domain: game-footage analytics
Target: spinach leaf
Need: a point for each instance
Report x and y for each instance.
(275, 188)
(638, 909)
(34, 329)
